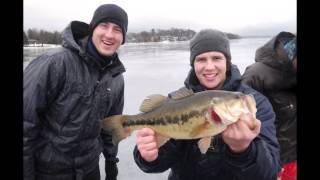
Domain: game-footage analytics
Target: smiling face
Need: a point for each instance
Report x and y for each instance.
(210, 68)
(107, 37)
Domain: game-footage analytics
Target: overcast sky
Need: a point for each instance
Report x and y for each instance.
(244, 17)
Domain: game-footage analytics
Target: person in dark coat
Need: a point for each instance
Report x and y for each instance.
(274, 75)
(239, 152)
(66, 94)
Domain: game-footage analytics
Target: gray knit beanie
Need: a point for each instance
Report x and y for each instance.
(209, 40)
(110, 13)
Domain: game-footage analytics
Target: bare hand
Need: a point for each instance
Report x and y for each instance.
(147, 145)
(239, 135)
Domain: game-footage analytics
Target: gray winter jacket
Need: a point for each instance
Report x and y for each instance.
(66, 94)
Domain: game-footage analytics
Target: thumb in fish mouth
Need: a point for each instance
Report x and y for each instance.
(249, 119)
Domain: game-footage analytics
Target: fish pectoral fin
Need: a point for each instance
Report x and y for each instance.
(161, 140)
(204, 144)
(151, 102)
(182, 93)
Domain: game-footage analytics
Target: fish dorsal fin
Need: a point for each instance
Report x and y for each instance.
(182, 93)
(151, 102)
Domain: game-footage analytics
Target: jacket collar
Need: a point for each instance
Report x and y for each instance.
(102, 61)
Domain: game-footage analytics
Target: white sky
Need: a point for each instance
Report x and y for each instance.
(245, 17)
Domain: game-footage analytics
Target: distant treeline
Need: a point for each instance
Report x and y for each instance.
(173, 34)
(41, 37)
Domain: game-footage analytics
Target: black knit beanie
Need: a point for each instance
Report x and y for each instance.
(110, 13)
(210, 40)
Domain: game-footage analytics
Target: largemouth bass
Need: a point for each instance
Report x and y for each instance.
(184, 115)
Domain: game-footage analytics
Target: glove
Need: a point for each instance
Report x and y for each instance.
(111, 169)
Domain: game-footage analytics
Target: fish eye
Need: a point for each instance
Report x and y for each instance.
(214, 100)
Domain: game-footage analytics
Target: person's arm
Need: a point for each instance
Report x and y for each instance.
(110, 150)
(152, 159)
(41, 82)
(261, 159)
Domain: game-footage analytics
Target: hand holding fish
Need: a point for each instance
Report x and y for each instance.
(239, 135)
(147, 144)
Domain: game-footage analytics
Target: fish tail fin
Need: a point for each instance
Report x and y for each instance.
(114, 125)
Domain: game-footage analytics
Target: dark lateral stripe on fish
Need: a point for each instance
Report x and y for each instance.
(163, 120)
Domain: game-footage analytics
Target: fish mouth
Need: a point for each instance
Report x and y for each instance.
(218, 118)
(214, 117)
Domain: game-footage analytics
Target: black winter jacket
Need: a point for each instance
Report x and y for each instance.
(260, 161)
(274, 77)
(66, 94)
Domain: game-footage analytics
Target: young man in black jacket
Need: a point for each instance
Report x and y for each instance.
(66, 94)
(274, 75)
(239, 152)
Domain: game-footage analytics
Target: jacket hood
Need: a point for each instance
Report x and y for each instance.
(232, 82)
(74, 35)
(267, 54)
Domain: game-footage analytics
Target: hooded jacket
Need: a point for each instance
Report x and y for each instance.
(260, 161)
(66, 94)
(273, 76)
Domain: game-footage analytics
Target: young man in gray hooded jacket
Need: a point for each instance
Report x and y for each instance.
(66, 94)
